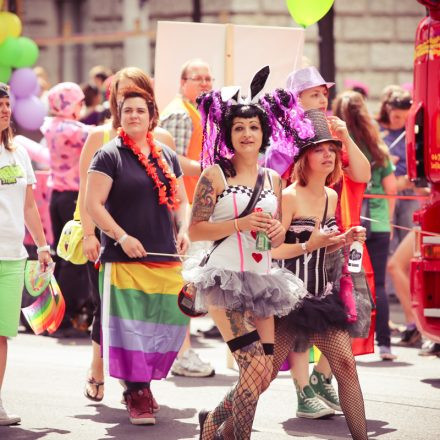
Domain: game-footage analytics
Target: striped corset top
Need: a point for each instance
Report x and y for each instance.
(309, 267)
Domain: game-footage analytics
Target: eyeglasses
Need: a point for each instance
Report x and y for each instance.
(200, 79)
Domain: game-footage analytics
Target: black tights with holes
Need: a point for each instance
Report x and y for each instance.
(240, 403)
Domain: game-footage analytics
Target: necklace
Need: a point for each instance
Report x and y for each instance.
(170, 200)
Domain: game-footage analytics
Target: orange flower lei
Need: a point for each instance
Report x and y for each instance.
(171, 201)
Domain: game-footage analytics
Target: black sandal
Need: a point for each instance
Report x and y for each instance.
(93, 382)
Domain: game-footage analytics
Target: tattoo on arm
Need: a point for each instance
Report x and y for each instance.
(204, 201)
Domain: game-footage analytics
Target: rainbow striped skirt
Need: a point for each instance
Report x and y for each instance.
(142, 326)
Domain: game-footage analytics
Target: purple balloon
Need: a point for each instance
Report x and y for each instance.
(12, 100)
(37, 90)
(23, 82)
(29, 113)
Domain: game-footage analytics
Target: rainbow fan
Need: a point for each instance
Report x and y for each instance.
(47, 312)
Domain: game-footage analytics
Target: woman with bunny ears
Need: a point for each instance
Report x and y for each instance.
(237, 284)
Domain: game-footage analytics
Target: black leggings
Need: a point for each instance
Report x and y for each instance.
(377, 245)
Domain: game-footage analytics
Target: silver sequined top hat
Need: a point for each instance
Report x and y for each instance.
(306, 78)
(322, 132)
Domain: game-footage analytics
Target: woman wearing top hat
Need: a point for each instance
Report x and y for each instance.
(308, 208)
(313, 93)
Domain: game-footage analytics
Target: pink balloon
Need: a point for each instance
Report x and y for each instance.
(29, 113)
(23, 82)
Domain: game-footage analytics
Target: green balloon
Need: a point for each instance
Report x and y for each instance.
(308, 12)
(10, 50)
(5, 74)
(29, 53)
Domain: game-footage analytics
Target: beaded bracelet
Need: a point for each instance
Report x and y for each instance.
(41, 249)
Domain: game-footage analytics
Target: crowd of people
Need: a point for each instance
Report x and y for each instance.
(260, 178)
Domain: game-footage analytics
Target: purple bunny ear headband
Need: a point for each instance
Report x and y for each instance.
(285, 117)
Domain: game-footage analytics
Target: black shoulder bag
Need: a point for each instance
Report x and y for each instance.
(186, 297)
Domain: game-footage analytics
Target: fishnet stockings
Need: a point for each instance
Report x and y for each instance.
(335, 345)
(240, 403)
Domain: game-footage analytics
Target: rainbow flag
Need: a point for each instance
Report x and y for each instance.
(142, 326)
(47, 312)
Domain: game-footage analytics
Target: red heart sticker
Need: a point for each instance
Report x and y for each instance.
(257, 257)
(254, 234)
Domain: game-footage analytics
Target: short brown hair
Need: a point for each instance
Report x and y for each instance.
(135, 92)
(300, 170)
(141, 80)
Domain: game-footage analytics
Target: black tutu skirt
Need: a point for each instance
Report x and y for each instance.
(316, 315)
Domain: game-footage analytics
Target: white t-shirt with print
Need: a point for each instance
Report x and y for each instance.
(16, 174)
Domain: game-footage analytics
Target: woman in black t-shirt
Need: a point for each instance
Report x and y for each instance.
(136, 197)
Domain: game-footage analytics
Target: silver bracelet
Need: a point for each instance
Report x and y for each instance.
(45, 248)
(121, 239)
(304, 247)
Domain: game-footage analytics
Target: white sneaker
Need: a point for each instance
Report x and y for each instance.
(7, 419)
(190, 365)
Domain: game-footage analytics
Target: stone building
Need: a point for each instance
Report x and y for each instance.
(374, 39)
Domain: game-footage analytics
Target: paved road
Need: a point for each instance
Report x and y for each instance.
(45, 377)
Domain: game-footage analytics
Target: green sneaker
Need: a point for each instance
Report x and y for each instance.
(309, 406)
(324, 390)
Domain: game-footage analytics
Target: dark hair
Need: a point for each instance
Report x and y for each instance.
(137, 92)
(90, 93)
(360, 90)
(394, 98)
(246, 112)
(6, 134)
(141, 80)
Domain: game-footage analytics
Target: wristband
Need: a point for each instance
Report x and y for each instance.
(237, 228)
(87, 236)
(41, 249)
(304, 247)
(121, 239)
